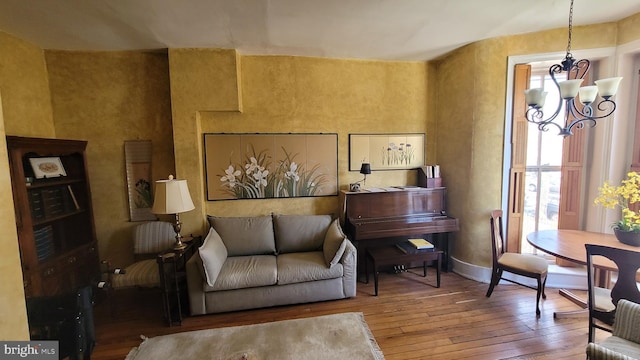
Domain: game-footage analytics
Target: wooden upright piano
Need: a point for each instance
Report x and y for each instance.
(385, 217)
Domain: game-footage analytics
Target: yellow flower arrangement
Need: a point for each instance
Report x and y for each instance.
(624, 195)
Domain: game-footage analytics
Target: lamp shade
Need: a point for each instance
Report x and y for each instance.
(365, 168)
(171, 197)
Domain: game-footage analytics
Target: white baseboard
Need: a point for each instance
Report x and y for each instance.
(558, 277)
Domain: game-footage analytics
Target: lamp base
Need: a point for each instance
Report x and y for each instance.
(179, 246)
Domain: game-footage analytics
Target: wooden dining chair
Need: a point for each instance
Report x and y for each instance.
(603, 301)
(526, 265)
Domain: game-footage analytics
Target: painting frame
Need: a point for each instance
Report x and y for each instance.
(138, 154)
(270, 165)
(39, 166)
(389, 151)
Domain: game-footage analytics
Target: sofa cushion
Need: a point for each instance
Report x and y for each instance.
(213, 254)
(303, 267)
(334, 244)
(299, 233)
(245, 272)
(243, 236)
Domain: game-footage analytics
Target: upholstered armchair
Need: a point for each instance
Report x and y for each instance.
(149, 239)
(625, 340)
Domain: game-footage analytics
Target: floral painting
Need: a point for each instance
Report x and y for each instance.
(386, 151)
(260, 166)
(138, 163)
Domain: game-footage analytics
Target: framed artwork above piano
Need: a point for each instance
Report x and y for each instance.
(387, 151)
(374, 219)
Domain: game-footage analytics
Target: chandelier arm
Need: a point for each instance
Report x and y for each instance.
(585, 113)
(579, 124)
(580, 68)
(544, 126)
(602, 105)
(586, 116)
(532, 114)
(605, 105)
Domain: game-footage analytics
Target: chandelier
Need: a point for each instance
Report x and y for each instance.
(574, 115)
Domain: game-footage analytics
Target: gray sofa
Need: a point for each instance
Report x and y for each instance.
(264, 261)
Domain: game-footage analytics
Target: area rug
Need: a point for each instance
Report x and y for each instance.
(338, 336)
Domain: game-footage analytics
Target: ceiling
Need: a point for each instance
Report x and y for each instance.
(364, 29)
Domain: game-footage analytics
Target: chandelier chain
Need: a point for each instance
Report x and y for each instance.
(570, 28)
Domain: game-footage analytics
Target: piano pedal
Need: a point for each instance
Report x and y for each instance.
(399, 268)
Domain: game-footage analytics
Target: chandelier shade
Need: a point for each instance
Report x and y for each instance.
(580, 102)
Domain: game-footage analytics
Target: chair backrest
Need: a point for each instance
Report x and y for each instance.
(153, 237)
(497, 242)
(627, 262)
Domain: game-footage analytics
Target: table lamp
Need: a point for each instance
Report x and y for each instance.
(172, 197)
(365, 170)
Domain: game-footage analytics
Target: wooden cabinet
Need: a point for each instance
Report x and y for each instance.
(54, 217)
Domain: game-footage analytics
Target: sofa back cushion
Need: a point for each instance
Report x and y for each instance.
(300, 233)
(243, 236)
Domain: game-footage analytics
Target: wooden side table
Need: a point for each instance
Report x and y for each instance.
(391, 255)
(173, 279)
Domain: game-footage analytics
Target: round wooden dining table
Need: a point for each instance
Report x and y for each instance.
(570, 245)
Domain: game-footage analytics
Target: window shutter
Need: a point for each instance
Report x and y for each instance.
(515, 212)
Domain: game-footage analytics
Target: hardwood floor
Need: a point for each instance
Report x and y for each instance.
(410, 319)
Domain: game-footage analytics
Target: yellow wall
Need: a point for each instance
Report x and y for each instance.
(25, 110)
(629, 29)
(24, 88)
(107, 98)
(294, 94)
(13, 316)
(470, 148)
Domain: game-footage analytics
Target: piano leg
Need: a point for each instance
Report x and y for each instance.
(366, 269)
(438, 265)
(442, 243)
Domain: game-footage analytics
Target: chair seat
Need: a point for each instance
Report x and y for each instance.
(529, 263)
(142, 273)
(602, 298)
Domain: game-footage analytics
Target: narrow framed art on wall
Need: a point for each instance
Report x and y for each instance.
(139, 189)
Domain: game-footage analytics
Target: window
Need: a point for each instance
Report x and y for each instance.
(543, 167)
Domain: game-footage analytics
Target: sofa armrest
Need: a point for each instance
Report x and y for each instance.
(349, 255)
(626, 321)
(195, 283)
(349, 268)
